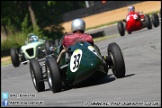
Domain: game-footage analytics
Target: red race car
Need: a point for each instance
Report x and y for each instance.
(137, 21)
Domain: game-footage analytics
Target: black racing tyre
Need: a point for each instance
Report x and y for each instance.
(121, 28)
(47, 46)
(36, 75)
(148, 22)
(97, 49)
(155, 20)
(118, 64)
(14, 57)
(53, 75)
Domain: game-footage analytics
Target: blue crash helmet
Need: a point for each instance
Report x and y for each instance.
(131, 8)
(33, 37)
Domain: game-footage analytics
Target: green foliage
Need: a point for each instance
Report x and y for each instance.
(13, 12)
(38, 32)
(51, 3)
(10, 27)
(17, 22)
(24, 25)
(16, 41)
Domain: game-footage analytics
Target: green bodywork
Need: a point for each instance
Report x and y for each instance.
(90, 63)
(31, 49)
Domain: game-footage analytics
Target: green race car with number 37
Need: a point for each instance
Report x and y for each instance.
(81, 63)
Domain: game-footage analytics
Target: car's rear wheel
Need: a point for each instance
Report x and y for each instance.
(155, 20)
(53, 75)
(14, 57)
(148, 22)
(36, 75)
(121, 28)
(118, 64)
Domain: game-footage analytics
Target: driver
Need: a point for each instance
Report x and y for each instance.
(131, 9)
(78, 27)
(33, 37)
(136, 15)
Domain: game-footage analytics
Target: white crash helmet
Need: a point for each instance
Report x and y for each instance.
(78, 24)
(131, 8)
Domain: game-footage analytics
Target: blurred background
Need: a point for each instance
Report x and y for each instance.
(50, 19)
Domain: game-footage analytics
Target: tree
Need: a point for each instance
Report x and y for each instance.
(39, 14)
(12, 15)
(32, 15)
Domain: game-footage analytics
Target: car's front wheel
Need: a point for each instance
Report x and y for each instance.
(14, 57)
(53, 75)
(121, 28)
(36, 75)
(117, 60)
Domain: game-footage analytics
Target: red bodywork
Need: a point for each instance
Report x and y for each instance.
(133, 21)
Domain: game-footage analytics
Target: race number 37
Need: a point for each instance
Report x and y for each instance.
(75, 60)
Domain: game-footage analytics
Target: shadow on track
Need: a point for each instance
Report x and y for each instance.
(106, 79)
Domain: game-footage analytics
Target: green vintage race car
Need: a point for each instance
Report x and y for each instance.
(34, 48)
(81, 63)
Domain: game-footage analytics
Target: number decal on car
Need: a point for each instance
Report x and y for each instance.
(75, 60)
(133, 15)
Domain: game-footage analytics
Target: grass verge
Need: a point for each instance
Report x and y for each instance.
(5, 61)
(15, 40)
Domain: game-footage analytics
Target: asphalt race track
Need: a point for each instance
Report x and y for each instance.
(140, 87)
